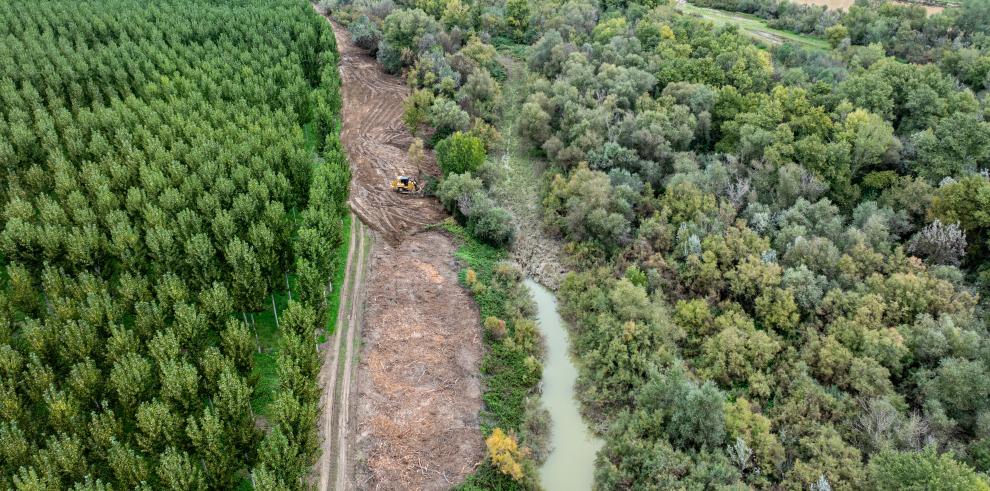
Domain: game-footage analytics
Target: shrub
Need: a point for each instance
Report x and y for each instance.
(505, 453)
(480, 95)
(416, 109)
(455, 188)
(447, 117)
(939, 243)
(460, 153)
(495, 327)
(494, 225)
(389, 56)
(922, 470)
(365, 34)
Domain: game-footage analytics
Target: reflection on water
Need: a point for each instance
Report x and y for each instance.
(571, 464)
(845, 4)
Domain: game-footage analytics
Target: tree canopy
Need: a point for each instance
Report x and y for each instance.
(157, 189)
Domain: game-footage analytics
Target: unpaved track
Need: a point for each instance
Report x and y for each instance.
(340, 350)
(408, 416)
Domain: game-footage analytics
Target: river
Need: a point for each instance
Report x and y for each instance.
(571, 463)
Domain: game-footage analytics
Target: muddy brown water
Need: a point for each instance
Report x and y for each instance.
(845, 4)
(571, 463)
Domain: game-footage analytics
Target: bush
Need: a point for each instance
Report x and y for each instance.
(389, 57)
(365, 34)
(494, 226)
(505, 454)
(922, 470)
(455, 188)
(460, 153)
(447, 117)
(495, 327)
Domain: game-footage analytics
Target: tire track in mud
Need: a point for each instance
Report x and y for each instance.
(350, 305)
(376, 142)
(348, 353)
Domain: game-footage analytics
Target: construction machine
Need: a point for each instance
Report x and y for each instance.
(405, 185)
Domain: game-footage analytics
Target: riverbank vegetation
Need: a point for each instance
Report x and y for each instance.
(779, 254)
(158, 192)
(758, 286)
(512, 421)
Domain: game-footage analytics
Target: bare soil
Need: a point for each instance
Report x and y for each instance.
(407, 418)
(377, 141)
(419, 391)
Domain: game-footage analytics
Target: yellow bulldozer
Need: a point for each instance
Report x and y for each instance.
(405, 185)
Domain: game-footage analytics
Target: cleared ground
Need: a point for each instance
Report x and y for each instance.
(401, 386)
(376, 142)
(418, 390)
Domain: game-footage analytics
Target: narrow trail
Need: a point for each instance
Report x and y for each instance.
(341, 351)
(348, 353)
(401, 381)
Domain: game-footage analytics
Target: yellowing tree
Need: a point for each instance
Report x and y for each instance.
(505, 454)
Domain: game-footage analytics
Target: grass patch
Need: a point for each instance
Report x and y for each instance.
(754, 27)
(265, 362)
(310, 137)
(340, 265)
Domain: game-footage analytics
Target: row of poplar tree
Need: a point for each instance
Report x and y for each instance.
(156, 190)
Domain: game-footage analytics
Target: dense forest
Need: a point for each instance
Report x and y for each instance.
(167, 166)
(778, 252)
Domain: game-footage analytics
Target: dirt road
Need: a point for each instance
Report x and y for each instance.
(335, 374)
(406, 416)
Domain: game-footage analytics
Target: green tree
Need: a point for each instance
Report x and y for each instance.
(416, 109)
(893, 470)
(176, 471)
(966, 202)
(517, 17)
(447, 117)
(460, 153)
(212, 446)
(836, 34)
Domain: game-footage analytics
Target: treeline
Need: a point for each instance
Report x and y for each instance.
(156, 192)
(957, 40)
(777, 278)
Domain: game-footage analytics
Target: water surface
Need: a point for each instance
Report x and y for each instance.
(571, 463)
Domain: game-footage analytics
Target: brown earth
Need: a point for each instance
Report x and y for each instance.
(377, 141)
(419, 391)
(409, 417)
